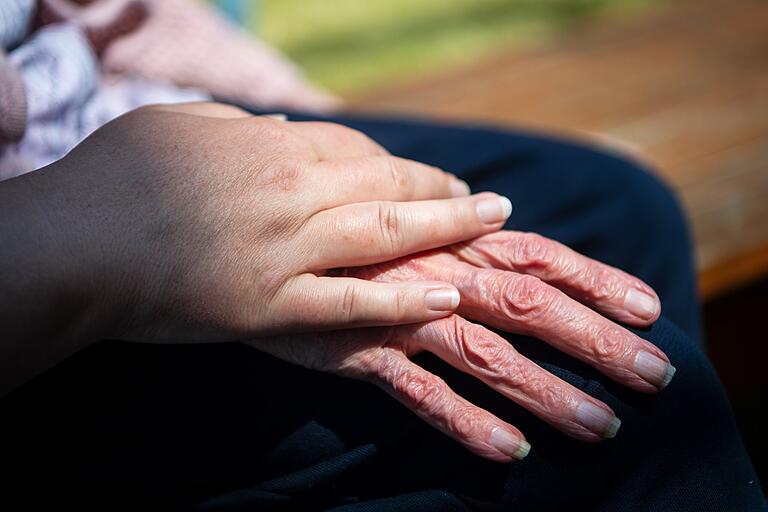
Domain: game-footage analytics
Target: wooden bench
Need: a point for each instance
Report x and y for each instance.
(684, 87)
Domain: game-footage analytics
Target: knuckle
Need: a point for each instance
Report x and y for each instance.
(400, 176)
(373, 360)
(348, 304)
(279, 163)
(533, 251)
(387, 216)
(399, 305)
(609, 345)
(527, 379)
(526, 298)
(465, 421)
(515, 375)
(286, 176)
(422, 392)
(605, 285)
(482, 351)
(548, 393)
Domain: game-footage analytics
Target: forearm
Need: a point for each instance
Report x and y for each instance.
(48, 305)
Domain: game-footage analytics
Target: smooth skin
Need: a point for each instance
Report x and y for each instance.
(201, 222)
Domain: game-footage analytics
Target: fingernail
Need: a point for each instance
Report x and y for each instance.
(443, 299)
(508, 444)
(654, 369)
(459, 188)
(494, 209)
(640, 304)
(276, 117)
(598, 420)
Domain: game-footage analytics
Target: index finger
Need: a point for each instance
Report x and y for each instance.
(609, 290)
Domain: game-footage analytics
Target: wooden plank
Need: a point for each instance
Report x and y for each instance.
(738, 271)
(684, 88)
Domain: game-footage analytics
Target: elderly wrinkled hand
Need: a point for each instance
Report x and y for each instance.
(521, 283)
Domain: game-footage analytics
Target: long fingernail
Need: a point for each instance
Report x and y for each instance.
(443, 299)
(654, 369)
(459, 188)
(508, 444)
(597, 420)
(640, 304)
(494, 209)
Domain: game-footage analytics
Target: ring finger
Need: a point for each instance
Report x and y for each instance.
(477, 351)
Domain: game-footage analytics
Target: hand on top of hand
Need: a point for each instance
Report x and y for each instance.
(202, 222)
(520, 283)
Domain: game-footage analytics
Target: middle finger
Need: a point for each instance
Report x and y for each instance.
(475, 350)
(526, 305)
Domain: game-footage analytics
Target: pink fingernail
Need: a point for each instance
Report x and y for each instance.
(493, 210)
(597, 420)
(640, 304)
(508, 444)
(654, 369)
(443, 299)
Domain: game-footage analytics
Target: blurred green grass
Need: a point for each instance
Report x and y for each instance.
(351, 45)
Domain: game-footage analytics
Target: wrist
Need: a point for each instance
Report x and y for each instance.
(52, 304)
(64, 213)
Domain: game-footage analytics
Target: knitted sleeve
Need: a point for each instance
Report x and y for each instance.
(15, 19)
(13, 103)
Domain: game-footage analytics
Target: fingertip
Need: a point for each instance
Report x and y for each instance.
(459, 188)
(509, 444)
(671, 370)
(601, 421)
(613, 428)
(506, 205)
(653, 369)
(493, 209)
(642, 305)
(523, 451)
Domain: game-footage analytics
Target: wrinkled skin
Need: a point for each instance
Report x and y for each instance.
(204, 223)
(518, 282)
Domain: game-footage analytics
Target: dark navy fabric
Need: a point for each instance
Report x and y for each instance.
(224, 427)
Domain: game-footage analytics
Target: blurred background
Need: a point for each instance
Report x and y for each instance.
(358, 45)
(679, 84)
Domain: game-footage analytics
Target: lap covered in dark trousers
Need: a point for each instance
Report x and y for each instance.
(224, 427)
